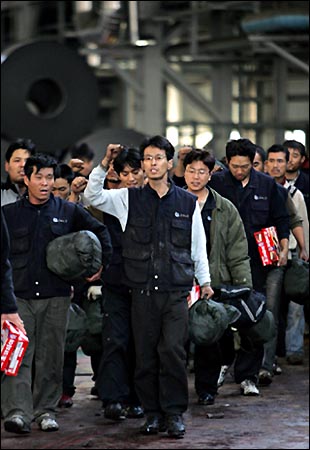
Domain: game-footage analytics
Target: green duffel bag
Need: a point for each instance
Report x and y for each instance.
(208, 320)
(75, 255)
(296, 281)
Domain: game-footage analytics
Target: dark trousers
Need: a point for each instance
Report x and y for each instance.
(160, 326)
(208, 361)
(248, 360)
(115, 379)
(69, 370)
(207, 366)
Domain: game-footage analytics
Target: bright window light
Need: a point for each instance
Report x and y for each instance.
(234, 135)
(295, 135)
(203, 139)
(172, 134)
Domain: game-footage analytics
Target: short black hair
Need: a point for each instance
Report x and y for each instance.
(295, 145)
(198, 154)
(83, 152)
(277, 148)
(262, 152)
(240, 147)
(128, 156)
(160, 142)
(40, 161)
(64, 171)
(23, 143)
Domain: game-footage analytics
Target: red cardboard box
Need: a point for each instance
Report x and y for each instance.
(193, 296)
(268, 245)
(14, 346)
(9, 336)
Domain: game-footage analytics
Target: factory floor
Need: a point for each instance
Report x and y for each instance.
(277, 419)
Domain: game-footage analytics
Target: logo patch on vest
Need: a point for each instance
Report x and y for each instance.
(56, 220)
(181, 215)
(260, 197)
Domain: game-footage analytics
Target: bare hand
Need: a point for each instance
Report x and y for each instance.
(95, 277)
(76, 164)
(303, 254)
(283, 258)
(183, 151)
(79, 184)
(15, 319)
(113, 150)
(206, 292)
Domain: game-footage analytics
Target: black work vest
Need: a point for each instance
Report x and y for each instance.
(157, 240)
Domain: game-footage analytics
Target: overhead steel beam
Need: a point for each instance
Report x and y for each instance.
(124, 75)
(171, 76)
(288, 56)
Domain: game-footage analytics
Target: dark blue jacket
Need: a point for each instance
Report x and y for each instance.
(260, 206)
(31, 228)
(8, 299)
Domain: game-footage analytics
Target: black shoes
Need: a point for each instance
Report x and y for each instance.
(134, 412)
(206, 399)
(175, 426)
(16, 424)
(153, 425)
(114, 411)
(156, 424)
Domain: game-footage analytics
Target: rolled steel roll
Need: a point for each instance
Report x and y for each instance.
(48, 93)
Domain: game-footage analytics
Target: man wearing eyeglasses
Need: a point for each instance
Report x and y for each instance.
(260, 205)
(164, 248)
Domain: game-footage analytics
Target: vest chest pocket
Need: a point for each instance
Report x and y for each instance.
(182, 268)
(139, 231)
(59, 229)
(181, 233)
(20, 242)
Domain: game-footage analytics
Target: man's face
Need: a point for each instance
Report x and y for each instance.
(15, 167)
(295, 161)
(61, 188)
(40, 185)
(276, 165)
(196, 175)
(258, 163)
(131, 177)
(240, 167)
(155, 163)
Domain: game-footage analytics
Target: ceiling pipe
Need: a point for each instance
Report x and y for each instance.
(276, 23)
(133, 22)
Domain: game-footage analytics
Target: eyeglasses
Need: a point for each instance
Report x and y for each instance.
(156, 157)
(201, 172)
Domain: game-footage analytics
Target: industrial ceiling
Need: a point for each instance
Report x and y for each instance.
(192, 42)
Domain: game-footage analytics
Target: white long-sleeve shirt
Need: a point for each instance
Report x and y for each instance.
(116, 203)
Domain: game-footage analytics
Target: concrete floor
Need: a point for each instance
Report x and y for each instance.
(277, 419)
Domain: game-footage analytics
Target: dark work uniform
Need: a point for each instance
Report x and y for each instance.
(8, 299)
(159, 269)
(43, 300)
(115, 379)
(260, 204)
